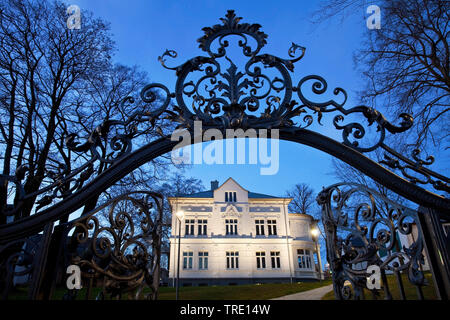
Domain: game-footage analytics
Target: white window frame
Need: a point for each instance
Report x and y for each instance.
(202, 229)
(231, 196)
(231, 227)
(275, 259)
(304, 259)
(203, 260)
(188, 260)
(232, 260)
(259, 223)
(189, 227)
(272, 227)
(260, 260)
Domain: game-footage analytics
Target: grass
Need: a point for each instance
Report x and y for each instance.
(240, 292)
(410, 290)
(237, 292)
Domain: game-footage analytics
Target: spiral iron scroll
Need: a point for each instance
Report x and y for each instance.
(357, 231)
(223, 97)
(120, 247)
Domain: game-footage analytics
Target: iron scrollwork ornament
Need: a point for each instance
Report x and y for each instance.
(214, 90)
(229, 98)
(119, 244)
(361, 234)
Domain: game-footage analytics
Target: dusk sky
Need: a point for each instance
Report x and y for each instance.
(143, 30)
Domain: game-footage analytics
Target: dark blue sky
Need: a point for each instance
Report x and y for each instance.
(143, 30)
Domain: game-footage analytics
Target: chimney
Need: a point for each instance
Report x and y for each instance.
(214, 185)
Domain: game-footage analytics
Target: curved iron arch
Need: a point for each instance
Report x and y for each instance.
(229, 99)
(125, 165)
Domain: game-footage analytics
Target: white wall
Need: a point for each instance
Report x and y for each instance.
(217, 243)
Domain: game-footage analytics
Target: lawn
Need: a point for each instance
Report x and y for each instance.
(410, 290)
(237, 292)
(240, 292)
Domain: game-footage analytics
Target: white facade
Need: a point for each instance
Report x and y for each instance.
(231, 236)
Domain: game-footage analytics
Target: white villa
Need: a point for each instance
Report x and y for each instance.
(230, 235)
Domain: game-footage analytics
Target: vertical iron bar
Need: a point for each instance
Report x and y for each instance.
(437, 249)
(387, 292)
(54, 266)
(398, 275)
(39, 263)
(8, 281)
(420, 293)
(89, 288)
(178, 266)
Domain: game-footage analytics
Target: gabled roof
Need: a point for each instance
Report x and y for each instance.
(210, 193)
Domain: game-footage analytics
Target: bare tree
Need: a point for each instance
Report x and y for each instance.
(346, 173)
(405, 62)
(303, 198)
(54, 82)
(41, 62)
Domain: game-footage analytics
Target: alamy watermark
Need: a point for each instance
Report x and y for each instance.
(74, 19)
(74, 278)
(374, 20)
(215, 152)
(373, 280)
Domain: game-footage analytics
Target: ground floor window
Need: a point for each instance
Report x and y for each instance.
(187, 259)
(261, 260)
(203, 260)
(275, 259)
(304, 259)
(232, 260)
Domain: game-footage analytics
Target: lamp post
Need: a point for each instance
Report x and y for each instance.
(315, 235)
(180, 216)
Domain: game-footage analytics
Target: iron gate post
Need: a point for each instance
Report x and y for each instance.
(54, 270)
(40, 263)
(437, 246)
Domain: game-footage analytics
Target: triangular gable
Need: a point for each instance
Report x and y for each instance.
(232, 184)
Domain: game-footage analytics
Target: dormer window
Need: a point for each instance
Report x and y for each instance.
(230, 196)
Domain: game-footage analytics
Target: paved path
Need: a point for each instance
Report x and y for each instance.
(314, 294)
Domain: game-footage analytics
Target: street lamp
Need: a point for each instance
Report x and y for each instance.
(315, 235)
(180, 217)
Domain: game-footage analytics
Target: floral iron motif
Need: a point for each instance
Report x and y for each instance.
(212, 89)
(119, 244)
(360, 234)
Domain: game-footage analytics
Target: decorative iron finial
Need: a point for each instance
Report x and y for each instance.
(230, 25)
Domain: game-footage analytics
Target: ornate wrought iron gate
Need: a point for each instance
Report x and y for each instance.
(222, 97)
(364, 228)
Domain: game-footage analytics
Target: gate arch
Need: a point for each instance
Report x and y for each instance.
(228, 99)
(125, 165)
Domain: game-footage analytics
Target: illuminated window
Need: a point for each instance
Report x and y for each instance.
(304, 259)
